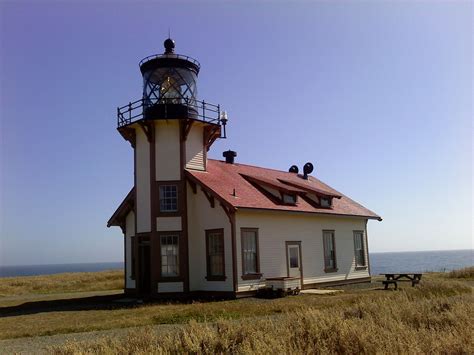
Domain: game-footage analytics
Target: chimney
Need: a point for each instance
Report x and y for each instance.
(229, 156)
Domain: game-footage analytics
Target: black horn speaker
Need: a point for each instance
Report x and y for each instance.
(307, 169)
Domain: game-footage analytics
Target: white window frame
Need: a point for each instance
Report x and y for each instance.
(169, 269)
(359, 250)
(167, 199)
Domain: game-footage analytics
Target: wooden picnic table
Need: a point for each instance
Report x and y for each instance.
(394, 278)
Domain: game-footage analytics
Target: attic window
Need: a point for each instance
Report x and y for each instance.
(289, 199)
(325, 202)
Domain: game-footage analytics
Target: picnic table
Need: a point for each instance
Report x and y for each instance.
(394, 278)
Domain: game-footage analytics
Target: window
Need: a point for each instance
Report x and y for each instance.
(169, 255)
(249, 241)
(289, 199)
(215, 254)
(329, 251)
(359, 249)
(325, 202)
(168, 198)
(294, 257)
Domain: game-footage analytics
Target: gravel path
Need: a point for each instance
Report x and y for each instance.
(39, 345)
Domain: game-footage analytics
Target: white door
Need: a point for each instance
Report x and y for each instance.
(294, 260)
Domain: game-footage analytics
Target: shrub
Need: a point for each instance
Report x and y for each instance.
(465, 273)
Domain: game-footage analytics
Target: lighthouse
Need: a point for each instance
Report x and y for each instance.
(195, 226)
(170, 130)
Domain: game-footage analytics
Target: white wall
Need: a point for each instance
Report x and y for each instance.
(129, 232)
(276, 227)
(201, 217)
(168, 224)
(195, 148)
(142, 154)
(167, 150)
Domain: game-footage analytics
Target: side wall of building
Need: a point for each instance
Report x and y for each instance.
(202, 217)
(277, 228)
(129, 234)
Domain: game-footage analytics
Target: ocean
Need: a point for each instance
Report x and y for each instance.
(30, 270)
(419, 261)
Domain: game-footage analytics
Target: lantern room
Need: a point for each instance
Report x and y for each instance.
(170, 92)
(169, 79)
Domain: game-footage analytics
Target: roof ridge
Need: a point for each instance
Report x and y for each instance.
(253, 166)
(280, 171)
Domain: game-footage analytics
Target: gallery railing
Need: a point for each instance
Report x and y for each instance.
(137, 110)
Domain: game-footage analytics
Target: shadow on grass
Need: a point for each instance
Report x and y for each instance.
(104, 302)
(71, 304)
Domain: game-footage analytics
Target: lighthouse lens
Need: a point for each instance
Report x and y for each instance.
(169, 86)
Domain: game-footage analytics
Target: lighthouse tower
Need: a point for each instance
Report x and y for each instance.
(170, 131)
(217, 228)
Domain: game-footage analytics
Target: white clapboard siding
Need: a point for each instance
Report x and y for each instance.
(201, 216)
(195, 148)
(275, 228)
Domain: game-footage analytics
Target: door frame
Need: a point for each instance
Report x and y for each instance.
(298, 243)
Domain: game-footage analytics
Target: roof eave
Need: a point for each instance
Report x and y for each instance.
(122, 210)
(311, 212)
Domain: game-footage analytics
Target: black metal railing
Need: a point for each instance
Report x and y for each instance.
(177, 56)
(199, 110)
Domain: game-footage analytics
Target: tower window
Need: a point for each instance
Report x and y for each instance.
(169, 255)
(168, 198)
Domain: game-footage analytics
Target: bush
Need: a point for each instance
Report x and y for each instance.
(466, 273)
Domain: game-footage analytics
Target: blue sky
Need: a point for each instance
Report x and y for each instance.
(377, 94)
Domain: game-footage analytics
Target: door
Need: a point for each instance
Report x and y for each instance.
(144, 278)
(293, 250)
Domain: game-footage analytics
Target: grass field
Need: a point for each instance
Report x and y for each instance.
(433, 317)
(61, 283)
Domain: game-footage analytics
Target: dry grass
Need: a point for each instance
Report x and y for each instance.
(430, 319)
(466, 273)
(68, 282)
(73, 320)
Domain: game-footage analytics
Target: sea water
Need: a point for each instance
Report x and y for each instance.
(418, 261)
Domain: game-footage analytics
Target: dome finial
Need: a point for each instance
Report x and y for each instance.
(169, 45)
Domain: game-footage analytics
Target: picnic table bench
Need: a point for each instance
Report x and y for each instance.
(394, 278)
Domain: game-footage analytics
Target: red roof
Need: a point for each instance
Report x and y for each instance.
(221, 179)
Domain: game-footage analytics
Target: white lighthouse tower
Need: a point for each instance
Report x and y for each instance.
(170, 131)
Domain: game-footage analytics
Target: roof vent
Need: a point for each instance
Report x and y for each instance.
(293, 169)
(307, 169)
(229, 156)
